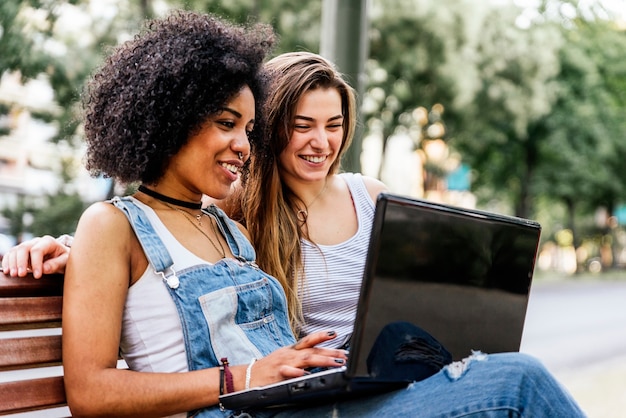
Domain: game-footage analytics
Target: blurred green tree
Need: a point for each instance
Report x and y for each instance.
(493, 78)
(297, 23)
(522, 91)
(583, 148)
(38, 41)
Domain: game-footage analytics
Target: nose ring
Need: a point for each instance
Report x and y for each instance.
(240, 155)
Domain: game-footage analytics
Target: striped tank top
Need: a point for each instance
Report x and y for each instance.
(333, 273)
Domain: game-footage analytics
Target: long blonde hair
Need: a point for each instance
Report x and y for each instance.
(268, 204)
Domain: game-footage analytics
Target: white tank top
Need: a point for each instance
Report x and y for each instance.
(152, 337)
(333, 273)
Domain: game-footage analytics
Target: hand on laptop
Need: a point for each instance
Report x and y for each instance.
(289, 362)
(41, 255)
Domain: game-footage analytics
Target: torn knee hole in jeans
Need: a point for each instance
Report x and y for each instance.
(457, 369)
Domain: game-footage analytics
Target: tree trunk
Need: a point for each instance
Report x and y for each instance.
(571, 214)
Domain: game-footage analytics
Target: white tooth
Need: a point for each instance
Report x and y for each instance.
(230, 167)
(314, 159)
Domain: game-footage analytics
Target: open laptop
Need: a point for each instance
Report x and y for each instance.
(463, 275)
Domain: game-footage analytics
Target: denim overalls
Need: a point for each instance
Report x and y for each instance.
(229, 309)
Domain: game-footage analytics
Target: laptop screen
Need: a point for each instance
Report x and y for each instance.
(462, 275)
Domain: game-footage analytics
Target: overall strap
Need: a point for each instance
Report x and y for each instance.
(239, 245)
(152, 245)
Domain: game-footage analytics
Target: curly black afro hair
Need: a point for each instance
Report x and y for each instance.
(154, 91)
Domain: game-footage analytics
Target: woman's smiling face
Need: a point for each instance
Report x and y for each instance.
(316, 136)
(210, 161)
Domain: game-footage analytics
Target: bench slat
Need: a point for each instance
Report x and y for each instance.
(30, 351)
(50, 285)
(28, 310)
(31, 394)
(26, 306)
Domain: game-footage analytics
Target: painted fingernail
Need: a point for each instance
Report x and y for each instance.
(339, 361)
(331, 333)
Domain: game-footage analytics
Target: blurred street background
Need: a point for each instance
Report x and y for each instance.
(575, 326)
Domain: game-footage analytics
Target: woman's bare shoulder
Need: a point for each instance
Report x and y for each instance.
(104, 237)
(103, 214)
(374, 186)
(103, 221)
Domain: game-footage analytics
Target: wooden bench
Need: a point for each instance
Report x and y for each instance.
(31, 375)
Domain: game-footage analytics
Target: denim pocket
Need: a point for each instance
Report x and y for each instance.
(227, 323)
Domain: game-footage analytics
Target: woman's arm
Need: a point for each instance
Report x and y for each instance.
(104, 260)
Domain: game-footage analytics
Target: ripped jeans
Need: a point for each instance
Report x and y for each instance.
(405, 352)
(488, 386)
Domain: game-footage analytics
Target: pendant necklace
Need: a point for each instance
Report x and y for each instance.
(303, 214)
(198, 218)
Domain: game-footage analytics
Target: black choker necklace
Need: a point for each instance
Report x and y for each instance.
(163, 198)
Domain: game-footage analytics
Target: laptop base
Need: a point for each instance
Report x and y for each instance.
(335, 386)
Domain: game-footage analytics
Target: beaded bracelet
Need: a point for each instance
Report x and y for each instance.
(249, 373)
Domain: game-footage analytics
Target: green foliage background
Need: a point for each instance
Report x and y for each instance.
(534, 101)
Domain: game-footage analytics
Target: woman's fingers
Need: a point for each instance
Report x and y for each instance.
(289, 372)
(314, 339)
(295, 360)
(310, 360)
(16, 262)
(318, 357)
(44, 255)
